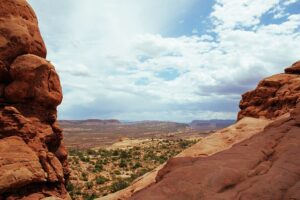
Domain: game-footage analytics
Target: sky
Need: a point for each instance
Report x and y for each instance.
(164, 59)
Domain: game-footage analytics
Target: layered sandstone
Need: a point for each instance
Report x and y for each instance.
(274, 96)
(33, 160)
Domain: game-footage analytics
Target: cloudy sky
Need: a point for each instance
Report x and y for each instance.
(164, 59)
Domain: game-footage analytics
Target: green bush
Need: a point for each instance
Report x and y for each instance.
(98, 167)
(115, 153)
(70, 187)
(101, 179)
(89, 196)
(91, 152)
(137, 165)
(84, 176)
(124, 154)
(118, 185)
(117, 172)
(89, 185)
(122, 163)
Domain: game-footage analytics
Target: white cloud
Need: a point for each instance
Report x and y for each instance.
(234, 13)
(102, 49)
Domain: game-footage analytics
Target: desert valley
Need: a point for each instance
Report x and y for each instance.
(116, 153)
(255, 156)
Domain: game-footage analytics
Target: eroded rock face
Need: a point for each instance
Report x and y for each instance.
(19, 165)
(19, 33)
(265, 166)
(33, 159)
(274, 96)
(34, 79)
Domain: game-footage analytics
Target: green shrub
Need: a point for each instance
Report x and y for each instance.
(117, 172)
(98, 167)
(84, 176)
(122, 163)
(89, 196)
(101, 179)
(124, 154)
(70, 187)
(91, 152)
(118, 185)
(115, 152)
(89, 185)
(137, 165)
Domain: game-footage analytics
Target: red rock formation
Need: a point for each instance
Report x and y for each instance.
(33, 160)
(265, 166)
(274, 96)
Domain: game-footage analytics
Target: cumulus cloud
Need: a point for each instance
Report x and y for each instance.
(117, 60)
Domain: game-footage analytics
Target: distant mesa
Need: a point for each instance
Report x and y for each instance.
(90, 122)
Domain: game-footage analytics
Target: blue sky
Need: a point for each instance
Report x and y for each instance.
(161, 60)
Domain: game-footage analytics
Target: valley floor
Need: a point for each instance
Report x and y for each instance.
(96, 172)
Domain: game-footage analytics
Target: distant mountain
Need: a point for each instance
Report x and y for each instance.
(90, 122)
(205, 125)
(154, 122)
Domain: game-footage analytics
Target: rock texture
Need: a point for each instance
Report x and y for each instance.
(274, 96)
(33, 160)
(266, 166)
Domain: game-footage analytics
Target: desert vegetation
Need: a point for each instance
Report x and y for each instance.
(98, 172)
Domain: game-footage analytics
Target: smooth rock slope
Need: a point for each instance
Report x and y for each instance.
(33, 159)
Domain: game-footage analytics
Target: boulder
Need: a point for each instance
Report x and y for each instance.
(34, 79)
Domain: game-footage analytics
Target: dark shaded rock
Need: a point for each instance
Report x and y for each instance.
(294, 69)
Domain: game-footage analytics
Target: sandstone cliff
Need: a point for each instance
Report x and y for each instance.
(33, 160)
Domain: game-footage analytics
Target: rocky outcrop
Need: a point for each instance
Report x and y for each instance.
(274, 96)
(214, 169)
(33, 160)
(294, 69)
